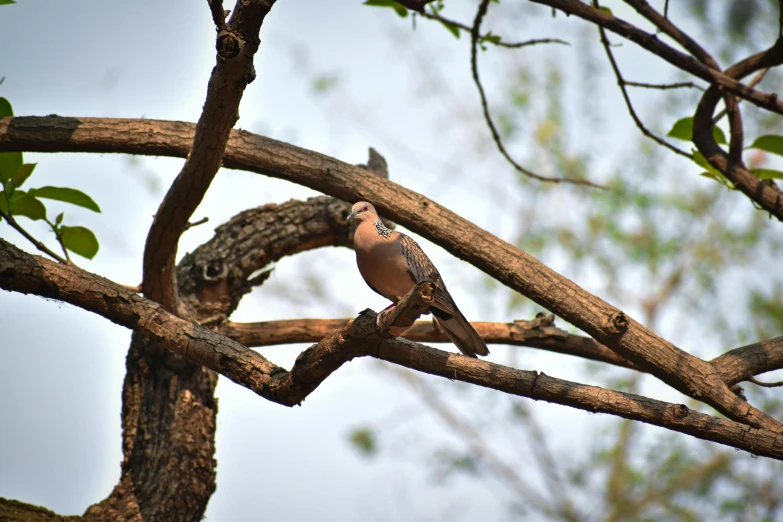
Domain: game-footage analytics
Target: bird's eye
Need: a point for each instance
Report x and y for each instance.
(365, 209)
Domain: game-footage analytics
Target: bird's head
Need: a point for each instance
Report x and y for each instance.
(363, 211)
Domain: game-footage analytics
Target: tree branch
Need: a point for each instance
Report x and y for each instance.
(237, 43)
(40, 246)
(768, 196)
(678, 59)
(22, 272)
(531, 334)
(743, 363)
(474, 38)
(500, 43)
(622, 83)
(501, 260)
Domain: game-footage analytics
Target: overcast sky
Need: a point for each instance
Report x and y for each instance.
(61, 368)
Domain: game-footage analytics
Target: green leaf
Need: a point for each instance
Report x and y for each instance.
(5, 106)
(712, 172)
(718, 135)
(491, 38)
(7, 2)
(770, 143)
(605, 9)
(22, 174)
(79, 240)
(701, 161)
(683, 130)
(400, 9)
(3, 202)
(9, 164)
(69, 195)
(364, 440)
(23, 204)
(767, 173)
(59, 219)
(453, 29)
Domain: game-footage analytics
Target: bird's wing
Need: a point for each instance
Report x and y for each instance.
(421, 269)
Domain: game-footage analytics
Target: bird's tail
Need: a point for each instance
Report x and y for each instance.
(461, 333)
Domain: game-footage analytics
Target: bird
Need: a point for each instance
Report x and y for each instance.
(392, 263)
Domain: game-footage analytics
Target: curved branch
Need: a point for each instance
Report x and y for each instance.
(501, 260)
(237, 43)
(22, 272)
(474, 40)
(768, 196)
(214, 277)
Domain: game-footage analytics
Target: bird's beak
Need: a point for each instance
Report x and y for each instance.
(352, 216)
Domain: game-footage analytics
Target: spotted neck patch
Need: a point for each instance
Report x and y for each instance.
(382, 229)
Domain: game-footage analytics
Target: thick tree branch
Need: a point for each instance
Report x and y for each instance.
(531, 334)
(213, 278)
(666, 26)
(501, 260)
(680, 60)
(743, 363)
(237, 43)
(22, 272)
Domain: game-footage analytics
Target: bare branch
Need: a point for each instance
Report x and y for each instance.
(664, 86)
(622, 83)
(218, 14)
(500, 43)
(501, 260)
(743, 363)
(474, 39)
(653, 44)
(777, 384)
(21, 272)
(665, 25)
(518, 333)
(237, 43)
(756, 79)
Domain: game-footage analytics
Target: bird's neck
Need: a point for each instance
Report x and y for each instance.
(382, 229)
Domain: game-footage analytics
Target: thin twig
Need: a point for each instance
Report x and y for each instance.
(474, 38)
(663, 86)
(756, 79)
(766, 384)
(201, 221)
(59, 239)
(622, 83)
(500, 43)
(40, 246)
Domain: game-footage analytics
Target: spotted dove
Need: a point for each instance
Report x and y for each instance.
(391, 263)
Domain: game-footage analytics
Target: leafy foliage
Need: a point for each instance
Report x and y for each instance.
(17, 202)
